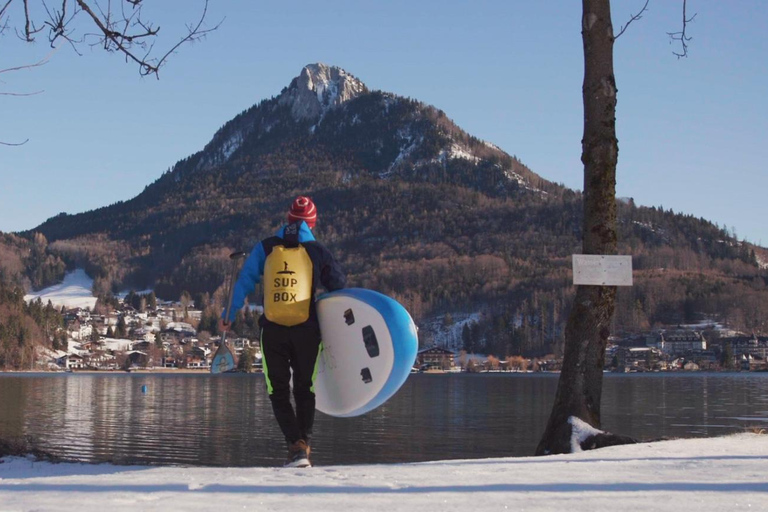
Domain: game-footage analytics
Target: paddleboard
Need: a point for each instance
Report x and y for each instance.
(369, 347)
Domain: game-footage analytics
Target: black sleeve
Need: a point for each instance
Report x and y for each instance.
(331, 275)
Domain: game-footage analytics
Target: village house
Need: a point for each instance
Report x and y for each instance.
(138, 358)
(239, 344)
(142, 345)
(197, 362)
(435, 358)
(116, 344)
(79, 330)
(101, 361)
(707, 359)
(756, 346)
(72, 362)
(635, 359)
(751, 363)
(677, 342)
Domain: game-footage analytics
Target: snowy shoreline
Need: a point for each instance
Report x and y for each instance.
(723, 473)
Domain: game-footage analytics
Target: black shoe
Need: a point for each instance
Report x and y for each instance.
(298, 455)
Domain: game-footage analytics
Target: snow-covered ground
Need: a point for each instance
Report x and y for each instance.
(73, 292)
(719, 474)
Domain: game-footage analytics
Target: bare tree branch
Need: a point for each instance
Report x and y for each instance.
(5, 7)
(19, 68)
(121, 41)
(634, 17)
(118, 36)
(116, 25)
(41, 62)
(681, 36)
(29, 26)
(13, 143)
(194, 34)
(57, 20)
(27, 22)
(119, 27)
(21, 93)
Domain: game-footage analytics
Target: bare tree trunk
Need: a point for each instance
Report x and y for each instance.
(586, 333)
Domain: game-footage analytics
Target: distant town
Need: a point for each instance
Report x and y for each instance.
(163, 336)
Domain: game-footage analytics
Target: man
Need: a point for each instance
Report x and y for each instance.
(291, 264)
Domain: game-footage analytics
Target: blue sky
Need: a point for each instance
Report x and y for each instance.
(693, 133)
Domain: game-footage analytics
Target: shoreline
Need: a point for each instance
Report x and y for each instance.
(201, 371)
(206, 371)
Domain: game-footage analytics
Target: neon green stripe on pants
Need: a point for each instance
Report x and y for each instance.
(317, 365)
(264, 364)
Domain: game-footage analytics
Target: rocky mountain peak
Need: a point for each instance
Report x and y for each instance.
(319, 88)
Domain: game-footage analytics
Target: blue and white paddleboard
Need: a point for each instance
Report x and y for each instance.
(369, 347)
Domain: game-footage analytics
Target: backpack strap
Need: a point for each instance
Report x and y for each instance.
(291, 235)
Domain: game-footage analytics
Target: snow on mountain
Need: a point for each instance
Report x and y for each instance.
(223, 146)
(439, 332)
(73, 292)
(407, 145)
(457, 151)
(319, 88)
(453, 151)
(762, 263)
(320, 100)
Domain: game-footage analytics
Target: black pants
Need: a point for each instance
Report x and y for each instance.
(284, 349)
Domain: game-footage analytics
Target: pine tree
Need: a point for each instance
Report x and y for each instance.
(726, 358)
(121, 330)
(246, 360)
(466, 339)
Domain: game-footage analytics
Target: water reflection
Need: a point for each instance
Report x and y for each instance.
(227, 420)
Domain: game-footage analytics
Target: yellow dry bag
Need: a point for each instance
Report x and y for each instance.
(287, 285)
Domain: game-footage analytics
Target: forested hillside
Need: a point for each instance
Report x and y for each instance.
(414, 207)
(23, 326)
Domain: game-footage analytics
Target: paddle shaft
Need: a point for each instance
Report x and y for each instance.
(235, 257)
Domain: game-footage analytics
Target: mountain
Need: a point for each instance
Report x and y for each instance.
(325, 134)
(413, 206)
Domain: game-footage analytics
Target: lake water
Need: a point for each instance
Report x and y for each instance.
(226, 420)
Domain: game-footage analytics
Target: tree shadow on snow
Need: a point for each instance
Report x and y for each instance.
(685, 487)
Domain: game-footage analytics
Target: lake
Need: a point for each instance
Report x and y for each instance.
(226, 420)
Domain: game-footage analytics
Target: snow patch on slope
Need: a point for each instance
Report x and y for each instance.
(492, 146)
(73, 292)
(407, 145)
(761, 262)
(456, 151)
(447, 336)
(231, 145)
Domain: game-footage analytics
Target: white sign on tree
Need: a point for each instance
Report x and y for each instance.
(602, 270)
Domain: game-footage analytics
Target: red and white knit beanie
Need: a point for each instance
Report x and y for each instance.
(303, 209)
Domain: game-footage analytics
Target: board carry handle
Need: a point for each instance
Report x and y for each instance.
(370, 341)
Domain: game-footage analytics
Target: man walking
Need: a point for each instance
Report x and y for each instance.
(291, 265)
